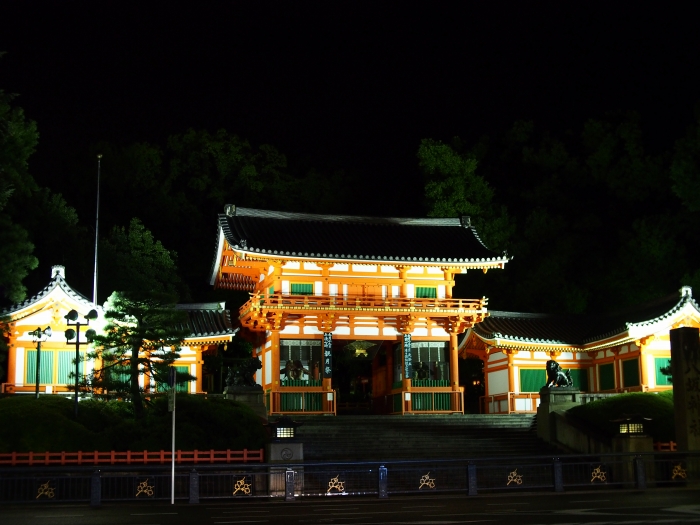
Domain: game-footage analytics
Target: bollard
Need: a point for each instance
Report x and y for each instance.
(95, 489)
(289, 485)
(194, 486)
(558, 476)
(383, 494)
(640, 477)
(471, 476)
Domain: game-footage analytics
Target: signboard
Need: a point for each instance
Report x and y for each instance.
(327, 370)
(407, 361)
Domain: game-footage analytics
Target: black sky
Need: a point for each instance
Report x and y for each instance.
(347, 85)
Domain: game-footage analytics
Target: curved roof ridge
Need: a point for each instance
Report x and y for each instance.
(299, 216)
(56, 281)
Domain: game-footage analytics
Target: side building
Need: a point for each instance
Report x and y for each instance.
(612, 353)
(209, 325)
(331, 291)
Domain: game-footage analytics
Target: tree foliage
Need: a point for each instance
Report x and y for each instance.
(595, 223)
(144, 328)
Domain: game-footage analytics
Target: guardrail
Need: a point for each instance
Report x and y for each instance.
(131, 457)
(290, 481)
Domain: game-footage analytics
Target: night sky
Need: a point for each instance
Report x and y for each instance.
(337, 85)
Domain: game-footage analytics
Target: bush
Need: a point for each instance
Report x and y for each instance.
(47, 424)
(601, 415)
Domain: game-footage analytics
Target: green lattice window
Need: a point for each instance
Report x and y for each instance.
(662, 379)
(630, 372)
(606, 376)
(66, 367)
(45, 368)
(579, 377)
(181, 387)
(426, 292)
(302, 288)
(532, 379)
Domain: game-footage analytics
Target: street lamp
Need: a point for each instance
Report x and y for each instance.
(37, 335)
(72, 320)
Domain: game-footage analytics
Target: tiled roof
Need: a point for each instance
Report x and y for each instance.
(207, 320)
(57, 281)
(577, 331)
(355, 238)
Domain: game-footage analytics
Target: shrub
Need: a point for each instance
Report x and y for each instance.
(601, 415)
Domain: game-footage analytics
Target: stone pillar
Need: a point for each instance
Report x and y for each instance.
(685, 368)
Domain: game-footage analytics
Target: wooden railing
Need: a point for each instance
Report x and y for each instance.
(510, 402)
(301, 400)
(665, 447)
(277, 301)
(410, 399)
(131, 457)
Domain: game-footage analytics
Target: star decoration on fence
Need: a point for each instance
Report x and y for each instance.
(679, 471)
(427, 481)
(46, 490)
(242, 486)
(144, 488)
(335, 484)
(598, 473)
(514, 477)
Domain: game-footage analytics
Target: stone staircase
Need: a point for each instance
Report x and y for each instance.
(411, 437)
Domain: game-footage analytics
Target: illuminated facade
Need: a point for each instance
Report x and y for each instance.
(325, 287)
(209, 324)
(606, 353)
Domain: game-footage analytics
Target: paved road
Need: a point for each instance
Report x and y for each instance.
(660, 506)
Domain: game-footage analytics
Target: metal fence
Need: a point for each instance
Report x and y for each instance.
(382, 479)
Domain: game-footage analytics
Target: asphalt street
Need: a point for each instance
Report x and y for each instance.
(660, 506)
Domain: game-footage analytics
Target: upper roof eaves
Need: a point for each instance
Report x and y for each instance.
(57, 281)
(345, 237)
(580, 331)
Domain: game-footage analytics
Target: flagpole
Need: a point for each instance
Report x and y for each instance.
(97, 229)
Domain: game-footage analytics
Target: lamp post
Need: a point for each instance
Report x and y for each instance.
(37, 335)
(72, 320)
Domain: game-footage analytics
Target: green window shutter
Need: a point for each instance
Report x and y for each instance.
(181, 387)
(302, 289)
(532, 379)
(579, 376)
(271, 290)
(630, 372)
(46, 371)
(426, 292)
(606, 376)
(66, 367)
(661, 379)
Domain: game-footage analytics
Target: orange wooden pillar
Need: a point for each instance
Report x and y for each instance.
(454, 372)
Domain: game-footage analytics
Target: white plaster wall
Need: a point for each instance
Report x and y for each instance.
(268, 367)
(290, 329)
(388, 269)
(497, 382)
(311, 330)
(416, 269)
(441, 291)
(292, 265)
(333, 289)
(19, 363)
(285, 287)
(389, 330)
(340, 267)
(439, 332)
(496, 356)
(366, 330)
(566, 356)
(342, 330)
(395, 291)
(433, 270)
(193, 384)
(318, 287)
(541, 355)
(410, 291)
(651, 371)
(624, 349)
(516, 379)
(524, 404)
(420, 332)
(311, 266)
